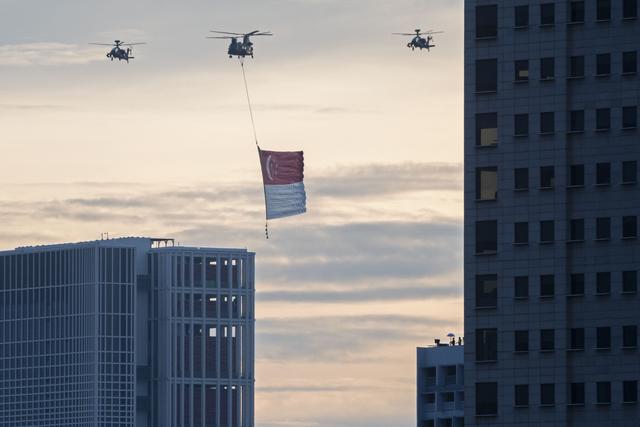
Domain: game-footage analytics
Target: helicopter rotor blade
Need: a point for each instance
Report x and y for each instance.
(226, 32)
(133, 44)
(102, 44)
(221, 37)
(261, 34)
(404, 34)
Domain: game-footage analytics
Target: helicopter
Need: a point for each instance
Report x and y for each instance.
(420, 42)
(240, 48)
(117, 52)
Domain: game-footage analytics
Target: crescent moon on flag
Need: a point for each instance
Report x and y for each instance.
(269, 168)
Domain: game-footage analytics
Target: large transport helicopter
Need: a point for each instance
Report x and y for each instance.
(239, 48)
(418, 41)
(117, 52)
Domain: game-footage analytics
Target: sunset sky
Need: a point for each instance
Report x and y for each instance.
(163, 147)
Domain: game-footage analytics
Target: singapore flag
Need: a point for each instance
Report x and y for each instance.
(283, 174)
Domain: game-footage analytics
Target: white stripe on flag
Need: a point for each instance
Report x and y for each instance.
(285, 200)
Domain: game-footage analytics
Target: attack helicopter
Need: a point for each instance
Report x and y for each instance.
(418, 41)
(238, 48)
(118, 52)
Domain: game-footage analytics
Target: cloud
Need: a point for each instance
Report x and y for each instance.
(344, 338)
(368, 294)
(47, 53)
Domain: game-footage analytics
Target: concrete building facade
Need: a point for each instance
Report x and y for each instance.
(126, 332)
(551, 212)
(440, 385)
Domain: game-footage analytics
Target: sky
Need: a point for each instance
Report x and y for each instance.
(163, 146)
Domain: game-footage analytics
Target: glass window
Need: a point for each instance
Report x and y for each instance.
(603, 393)
(547, 394)
(547, 14)
(629, 172)
(547, 340)
(547, 123)
(487, 21)
(547, 68)
(629, 227)
(630, 281)
(576, 175)
(487, 75)
(603, 282)
(521, 68)
(576, 230)
(486, 345)
(577, 394)
(547, 285)
(521, 286)
(603, 228)
(486, 129)
(521, 341)
(521, 233)
(576, 12)
(629, 62)
(630, 391)
(521, 178)
(521, 16)
(486, 290)
(630, 336)
(521, 393)
(603, 119)
(603, 173)
(547, 231)
(629, 117)
(629, 9)
(521, 124)
(576, 121)
(486, 398)
(487, 183)
(486, 237)
(576, 339)
(547, 176)
(603, 64)
(576, 66)
(603, 10)
(577, 284)
(603, 337)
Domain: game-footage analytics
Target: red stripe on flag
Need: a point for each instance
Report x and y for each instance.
(282, 167)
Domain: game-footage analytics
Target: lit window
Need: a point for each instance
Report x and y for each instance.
(486, 290)
(487, 183)
(486, 129)
(521, 68)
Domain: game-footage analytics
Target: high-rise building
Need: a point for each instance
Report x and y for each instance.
(440, 385)
(551, 212)
(126, 332)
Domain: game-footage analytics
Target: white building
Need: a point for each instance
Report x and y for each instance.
(131, 332)
(440, 385)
